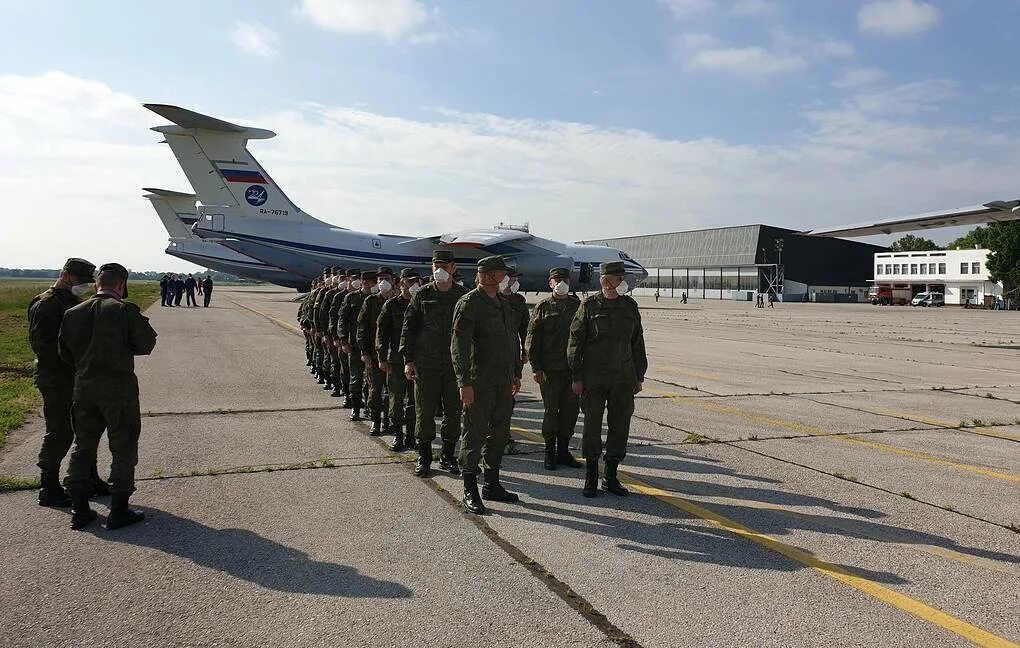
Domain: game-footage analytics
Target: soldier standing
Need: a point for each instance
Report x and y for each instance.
(347, 327)
(322, 304)
(548, 333)
(318, 352)
(486, 354)
(101, 338)
(425, 344)
(391, 361)
(55, 378)
(332, 345)
(304, 320)
(368, 323)
(343, 371)
(510, 288)
(606, 355)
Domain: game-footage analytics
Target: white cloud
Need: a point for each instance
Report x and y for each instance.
(750, 61)
(703, 52)
(394, 20)
(254, 38)
(870, 156)
(686, 8)
(897, 17)
(860, 77)
(753, 7)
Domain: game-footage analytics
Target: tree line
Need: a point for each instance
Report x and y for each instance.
(148, 275)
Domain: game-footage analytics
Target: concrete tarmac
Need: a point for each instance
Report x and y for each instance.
(807, 475)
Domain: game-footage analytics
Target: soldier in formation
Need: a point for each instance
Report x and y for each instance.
(407, 348)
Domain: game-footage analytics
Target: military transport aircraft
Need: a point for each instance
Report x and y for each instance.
(178, 212)
(992, 212)
(245, 210)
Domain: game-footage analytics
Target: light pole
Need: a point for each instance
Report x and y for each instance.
(779, 251)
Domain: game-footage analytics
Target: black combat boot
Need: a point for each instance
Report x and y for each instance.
(99, 487)
(308, 363)
(447, 460)
(337, 390)
(319, 378)
(81, 514)
(424, 463)
(563, 456)
(472, 501)
(398, 439)
(377, 428)
(494, 491)
(348, 402)
(356, 410)
(591, 477)
(120, 515)
(611, 482)
(52, 493)
(329, 384)
(550, 454)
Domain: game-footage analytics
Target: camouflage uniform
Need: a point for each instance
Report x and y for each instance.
(347, 328)
(387, 344)
(368, 321)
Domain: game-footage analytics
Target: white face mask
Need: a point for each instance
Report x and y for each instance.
(79, 290)
(356, 284)
(413, 289)
(561, 288)
(374, 289)
(622, 288)
(515, 286)
(440, 275)
(384, 286)
(460, 283)
(504, 283)
(342, 285)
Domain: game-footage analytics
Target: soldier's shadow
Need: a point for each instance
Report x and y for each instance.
(248, 556)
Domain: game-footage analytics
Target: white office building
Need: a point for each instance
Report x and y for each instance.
(962, 275)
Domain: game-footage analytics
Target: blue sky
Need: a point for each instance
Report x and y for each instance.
(629, 116)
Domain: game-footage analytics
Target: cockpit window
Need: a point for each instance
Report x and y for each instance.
(625, 256)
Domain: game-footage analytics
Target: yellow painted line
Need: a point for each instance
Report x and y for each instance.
(923, 611)
(287, 325)
(935, 616)
(976, 561)
(983, 431)
(813, 431)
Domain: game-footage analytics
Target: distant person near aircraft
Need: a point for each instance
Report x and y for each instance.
(189, 285)
(206, 288)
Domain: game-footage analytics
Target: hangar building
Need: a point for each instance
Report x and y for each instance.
(736, 262)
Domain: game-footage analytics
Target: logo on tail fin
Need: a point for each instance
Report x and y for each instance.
(256, 195)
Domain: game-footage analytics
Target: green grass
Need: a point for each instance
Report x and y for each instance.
(18, 395)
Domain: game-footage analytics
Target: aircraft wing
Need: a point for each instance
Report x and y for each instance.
(480, 238)
(995, 211)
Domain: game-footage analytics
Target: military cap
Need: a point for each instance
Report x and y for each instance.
(512, 272)
(338, 271)
(115, 269)
(408, 273)
(559, 273)
(80, 268)
(369, 274)
(445, 256)
(353, 272)
(492, 264)
(385, 270)
(326, 270)
(612, 268)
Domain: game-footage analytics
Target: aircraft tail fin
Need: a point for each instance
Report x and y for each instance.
(176, 210)
(214, 156)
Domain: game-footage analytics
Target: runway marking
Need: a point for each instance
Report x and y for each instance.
(287, 325)
(933, 615)
(809, 430)
(983, 431)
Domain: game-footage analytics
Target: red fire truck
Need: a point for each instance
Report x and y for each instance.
(884, 295)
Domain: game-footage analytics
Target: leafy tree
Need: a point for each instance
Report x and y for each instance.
(977, 236)
(1004, 261)
(911, 243)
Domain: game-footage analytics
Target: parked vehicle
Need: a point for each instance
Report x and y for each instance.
(886, 295)
(928, 299)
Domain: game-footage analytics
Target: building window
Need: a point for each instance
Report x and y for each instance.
(942, 268)
(913, 268)
(896, 268)
(878, 269)
(931, 268)
(963, 268)
(975, 268)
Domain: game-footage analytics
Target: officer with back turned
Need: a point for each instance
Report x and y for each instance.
(425, 344)
(548, 333)
(101, 338)
(55, 378)
(606, 355)
(486, 352)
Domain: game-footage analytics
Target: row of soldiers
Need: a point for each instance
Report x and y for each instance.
(370, 335)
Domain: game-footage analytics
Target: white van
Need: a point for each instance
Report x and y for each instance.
(928, 299)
